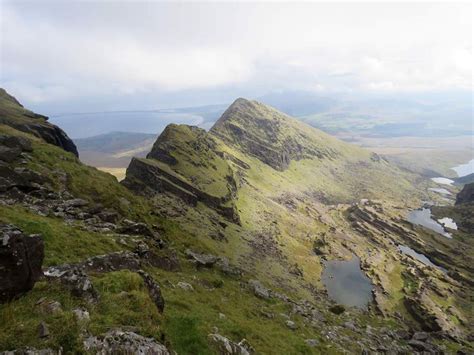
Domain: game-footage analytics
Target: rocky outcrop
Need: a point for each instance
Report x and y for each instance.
(76, 280)
(147, 178)
(259, 290)
(466, 195)
(154, 290)
(11, 147)
(13, 114)
(21, 258)
(225, 346)
(429, 315)
(201, 260)
(117, 341)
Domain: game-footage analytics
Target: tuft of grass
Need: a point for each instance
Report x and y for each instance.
(183, 332)
(126, 304)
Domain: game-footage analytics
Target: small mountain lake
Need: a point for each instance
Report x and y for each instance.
(442, 181)
(440, 191)
(346, 283)
(418, 256)
(423, 218)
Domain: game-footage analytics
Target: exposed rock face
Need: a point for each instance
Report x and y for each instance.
(466, 195)
(265, 133)
(201, 260)
(154, 290)
(21, 258)
(120, 342)
(202, 175)
(13, 114)
(11, 147)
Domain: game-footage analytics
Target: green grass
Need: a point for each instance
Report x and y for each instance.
(124, 303)
(63, 243)
(184, 333)
(19, 321)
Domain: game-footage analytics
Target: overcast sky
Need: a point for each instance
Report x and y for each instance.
(129, 54)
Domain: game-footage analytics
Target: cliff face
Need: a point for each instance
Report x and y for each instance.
(466, 195)
(13, 114)
(269, 135)
(254, 139)
(185, 161)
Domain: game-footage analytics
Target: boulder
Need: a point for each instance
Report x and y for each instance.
(75, 280)
(225, 346)
(135, 228)
(225, 267)
(81, 314)
(117, 341)
(185, 286)
(292, 325)
(43, 330)
(11, 147)
(259, 290)
(48, 306)
(165, 260)
(201, 260)
(153, 290)
(312, 342)
(21, 258)
(112, 262)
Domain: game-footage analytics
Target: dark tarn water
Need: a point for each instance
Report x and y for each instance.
(347, 284)
(420, 257)
(423, 218)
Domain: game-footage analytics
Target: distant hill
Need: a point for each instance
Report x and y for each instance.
(113, 151)
(114, 142)
(465, 179)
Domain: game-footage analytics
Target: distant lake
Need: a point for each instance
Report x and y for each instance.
(418, 256)
(442, 181)
(464, 169)
(92, 124)
(346, 283)
(440, 191)
(423, 218)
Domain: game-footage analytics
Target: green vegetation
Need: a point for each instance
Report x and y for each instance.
(63, 243)
(285, 210)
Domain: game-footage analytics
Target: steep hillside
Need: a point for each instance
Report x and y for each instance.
(302, 197)
(13, 114)
(209, 249)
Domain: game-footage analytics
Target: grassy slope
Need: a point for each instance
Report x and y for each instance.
(349, 177)
(124, 302)
(190, 316)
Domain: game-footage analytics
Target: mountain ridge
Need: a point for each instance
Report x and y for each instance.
(205, 244)
(12, 113)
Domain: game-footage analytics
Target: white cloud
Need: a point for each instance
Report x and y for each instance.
(57, 50)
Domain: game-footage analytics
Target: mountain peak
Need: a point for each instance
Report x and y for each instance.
(270, 135)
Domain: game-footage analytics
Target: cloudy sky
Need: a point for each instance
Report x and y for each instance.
(93, 55)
